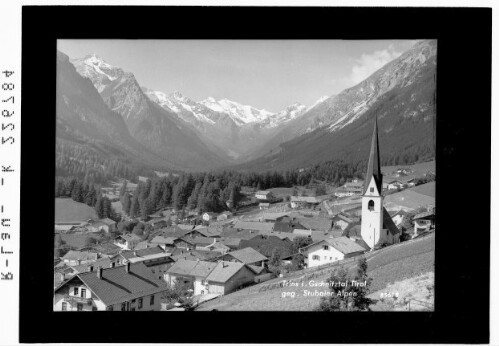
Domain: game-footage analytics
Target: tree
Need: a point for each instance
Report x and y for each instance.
(99, 207)
(275, 262)
(347, 292)
(179, 292)
(123, 189)
(300, 242)
(297, 262)
(89, 241)
(126, 203)
(139, 229)
(320, 190)
(134, 206)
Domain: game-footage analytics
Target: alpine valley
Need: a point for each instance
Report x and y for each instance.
(107, 120)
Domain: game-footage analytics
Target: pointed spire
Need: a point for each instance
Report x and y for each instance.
(374, 166)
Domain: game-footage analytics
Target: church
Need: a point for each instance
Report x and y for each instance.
(377, 227)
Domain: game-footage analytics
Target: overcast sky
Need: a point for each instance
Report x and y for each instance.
(269, 74)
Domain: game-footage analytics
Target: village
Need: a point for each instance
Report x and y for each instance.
(182, 259)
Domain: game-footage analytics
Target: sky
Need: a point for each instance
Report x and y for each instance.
(266, 74)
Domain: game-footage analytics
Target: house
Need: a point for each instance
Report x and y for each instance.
(227, 277)
(158, 223)
(107, 225)
(216, 245)
(190, 272)
(355, 186)
(247, 255)
(263, 206)
(131, 287)
(101, 262)
(341, 221)
(74, 258)
(395, 185)
(224, 216)
(264, 196)
(273, 217)
(398, 216)
(316, 223)
(267, 244)
(131, 254)
(424, 222)
(342, 192)
(232, 243)
(208, 216)
(255, 226)
(306, 201)
(164, 242)
(193, 255)
(330, 250)
(158, 264)
(127, 241)
(63, 273)
(184, 243)
(212, 231)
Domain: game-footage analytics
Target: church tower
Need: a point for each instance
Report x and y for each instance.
(371, 228)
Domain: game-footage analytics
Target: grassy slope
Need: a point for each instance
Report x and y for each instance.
(387, 266)
(67, 210)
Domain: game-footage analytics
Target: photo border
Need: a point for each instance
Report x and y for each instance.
(462, 254)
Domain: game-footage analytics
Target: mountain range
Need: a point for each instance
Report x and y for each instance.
(99, 102)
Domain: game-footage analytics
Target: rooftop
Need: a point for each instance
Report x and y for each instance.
(72, 255)
(223, 271)
(117, 286)
(247, 255)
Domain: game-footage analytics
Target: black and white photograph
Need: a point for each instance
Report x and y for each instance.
(245, 175)
(206, 168)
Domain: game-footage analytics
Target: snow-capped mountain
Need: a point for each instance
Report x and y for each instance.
(241, 114)
(155, 127)
(319, 101)
(187, 109)
(401, 94)
(289, 113)
(97, 70)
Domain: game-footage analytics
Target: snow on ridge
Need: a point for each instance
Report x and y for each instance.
(241, 114)
(320, 100)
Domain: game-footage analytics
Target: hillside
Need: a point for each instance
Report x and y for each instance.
(158, 130)
(385, 266)
(67, 210)
(91, 137)
(401, 94)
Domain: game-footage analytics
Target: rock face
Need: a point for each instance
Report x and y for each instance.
(84, 121)
(401, 94)
(156, 128)
(212, 133)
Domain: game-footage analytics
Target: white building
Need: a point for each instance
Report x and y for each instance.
(131, 287)
(374, 215)
(208, 216)
(330, 250)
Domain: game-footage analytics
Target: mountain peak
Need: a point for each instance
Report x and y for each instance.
(178, 95)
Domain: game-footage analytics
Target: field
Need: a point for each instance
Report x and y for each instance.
(387, 266)
(418, 169)
(77, 240)
(67, 210)
(413, 198)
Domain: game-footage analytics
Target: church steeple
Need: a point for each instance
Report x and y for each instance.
(374, 166)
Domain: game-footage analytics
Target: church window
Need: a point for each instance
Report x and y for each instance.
(370, 205)
(371, 189)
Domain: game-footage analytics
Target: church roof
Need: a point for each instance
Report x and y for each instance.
(388, 223)
(374, 165)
